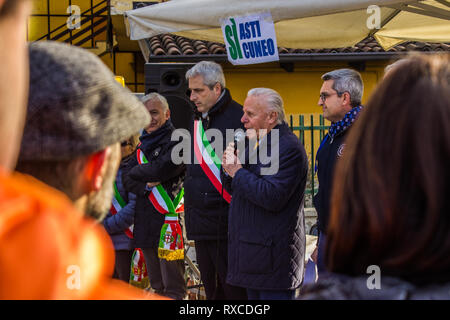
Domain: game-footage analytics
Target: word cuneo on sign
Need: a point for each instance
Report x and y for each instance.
(250, 39)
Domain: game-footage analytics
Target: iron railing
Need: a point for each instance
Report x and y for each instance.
(310, 136)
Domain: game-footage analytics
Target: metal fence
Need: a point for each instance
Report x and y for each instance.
(310, 129)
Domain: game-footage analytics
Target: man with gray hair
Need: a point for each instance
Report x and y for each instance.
(266, 220)
(340, 99)
(151, 170)
(206, 202)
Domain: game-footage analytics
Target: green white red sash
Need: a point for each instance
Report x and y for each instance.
(171, 238)
(139, 274)
(208, 159)
(117, 204)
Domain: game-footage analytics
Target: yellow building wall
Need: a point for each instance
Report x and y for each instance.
(56, 14)
(299, 89)
(125, 66)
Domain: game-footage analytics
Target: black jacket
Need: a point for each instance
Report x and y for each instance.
(330, 151)
(157, 148)
(206, 212)
(266, 244)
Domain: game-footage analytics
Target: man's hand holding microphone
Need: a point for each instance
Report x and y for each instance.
(230, 159)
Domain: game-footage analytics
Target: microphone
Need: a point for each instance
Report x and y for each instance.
(238, 137)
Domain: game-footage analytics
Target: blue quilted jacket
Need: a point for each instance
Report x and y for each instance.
(116, 224)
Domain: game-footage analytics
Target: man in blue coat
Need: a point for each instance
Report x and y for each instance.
(266, 221)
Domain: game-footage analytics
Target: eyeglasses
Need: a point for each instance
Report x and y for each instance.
(323, 96)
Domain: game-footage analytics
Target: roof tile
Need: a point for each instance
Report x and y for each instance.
(168, 44)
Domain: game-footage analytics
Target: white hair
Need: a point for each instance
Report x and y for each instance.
(158, 97)
(273, 100)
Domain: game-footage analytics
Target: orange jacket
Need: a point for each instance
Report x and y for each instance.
(48, 250)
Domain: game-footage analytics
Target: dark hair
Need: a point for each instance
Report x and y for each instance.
(390, 203)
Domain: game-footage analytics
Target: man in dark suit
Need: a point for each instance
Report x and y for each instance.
(166, 275)
(206, 202)
(266, 221)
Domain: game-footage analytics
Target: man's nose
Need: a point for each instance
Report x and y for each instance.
(320, 102)
(244, 119)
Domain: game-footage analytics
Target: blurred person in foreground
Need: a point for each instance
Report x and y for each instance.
(13, 78)
(77, 115)
(389, 227)
(266, 220)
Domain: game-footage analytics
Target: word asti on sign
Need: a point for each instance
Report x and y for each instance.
(250, 39)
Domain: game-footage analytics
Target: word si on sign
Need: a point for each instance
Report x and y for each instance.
(250, 39)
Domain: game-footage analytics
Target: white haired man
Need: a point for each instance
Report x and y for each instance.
(266, 220)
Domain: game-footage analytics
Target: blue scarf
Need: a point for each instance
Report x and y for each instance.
(338, 127)
(150, 141)
(345, 123)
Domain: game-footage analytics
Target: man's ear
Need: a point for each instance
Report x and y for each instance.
(217, 89)
(273, 117)
(94, 170)
(347, 99)
(167, 115)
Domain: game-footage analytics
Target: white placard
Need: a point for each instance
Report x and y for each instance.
(250, 39)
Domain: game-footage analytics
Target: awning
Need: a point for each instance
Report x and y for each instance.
(301, 23)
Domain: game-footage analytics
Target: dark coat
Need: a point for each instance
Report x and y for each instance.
(341, 287)
(266, 243)
(206, 212)
(330, 151)
(157, 148)
(116, 224)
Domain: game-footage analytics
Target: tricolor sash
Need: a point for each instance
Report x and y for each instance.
(117, 204)
(138, 272)
(139, 275)
(171, 238)
(208, 159)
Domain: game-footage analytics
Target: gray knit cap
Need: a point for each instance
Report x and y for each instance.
(75, 105)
